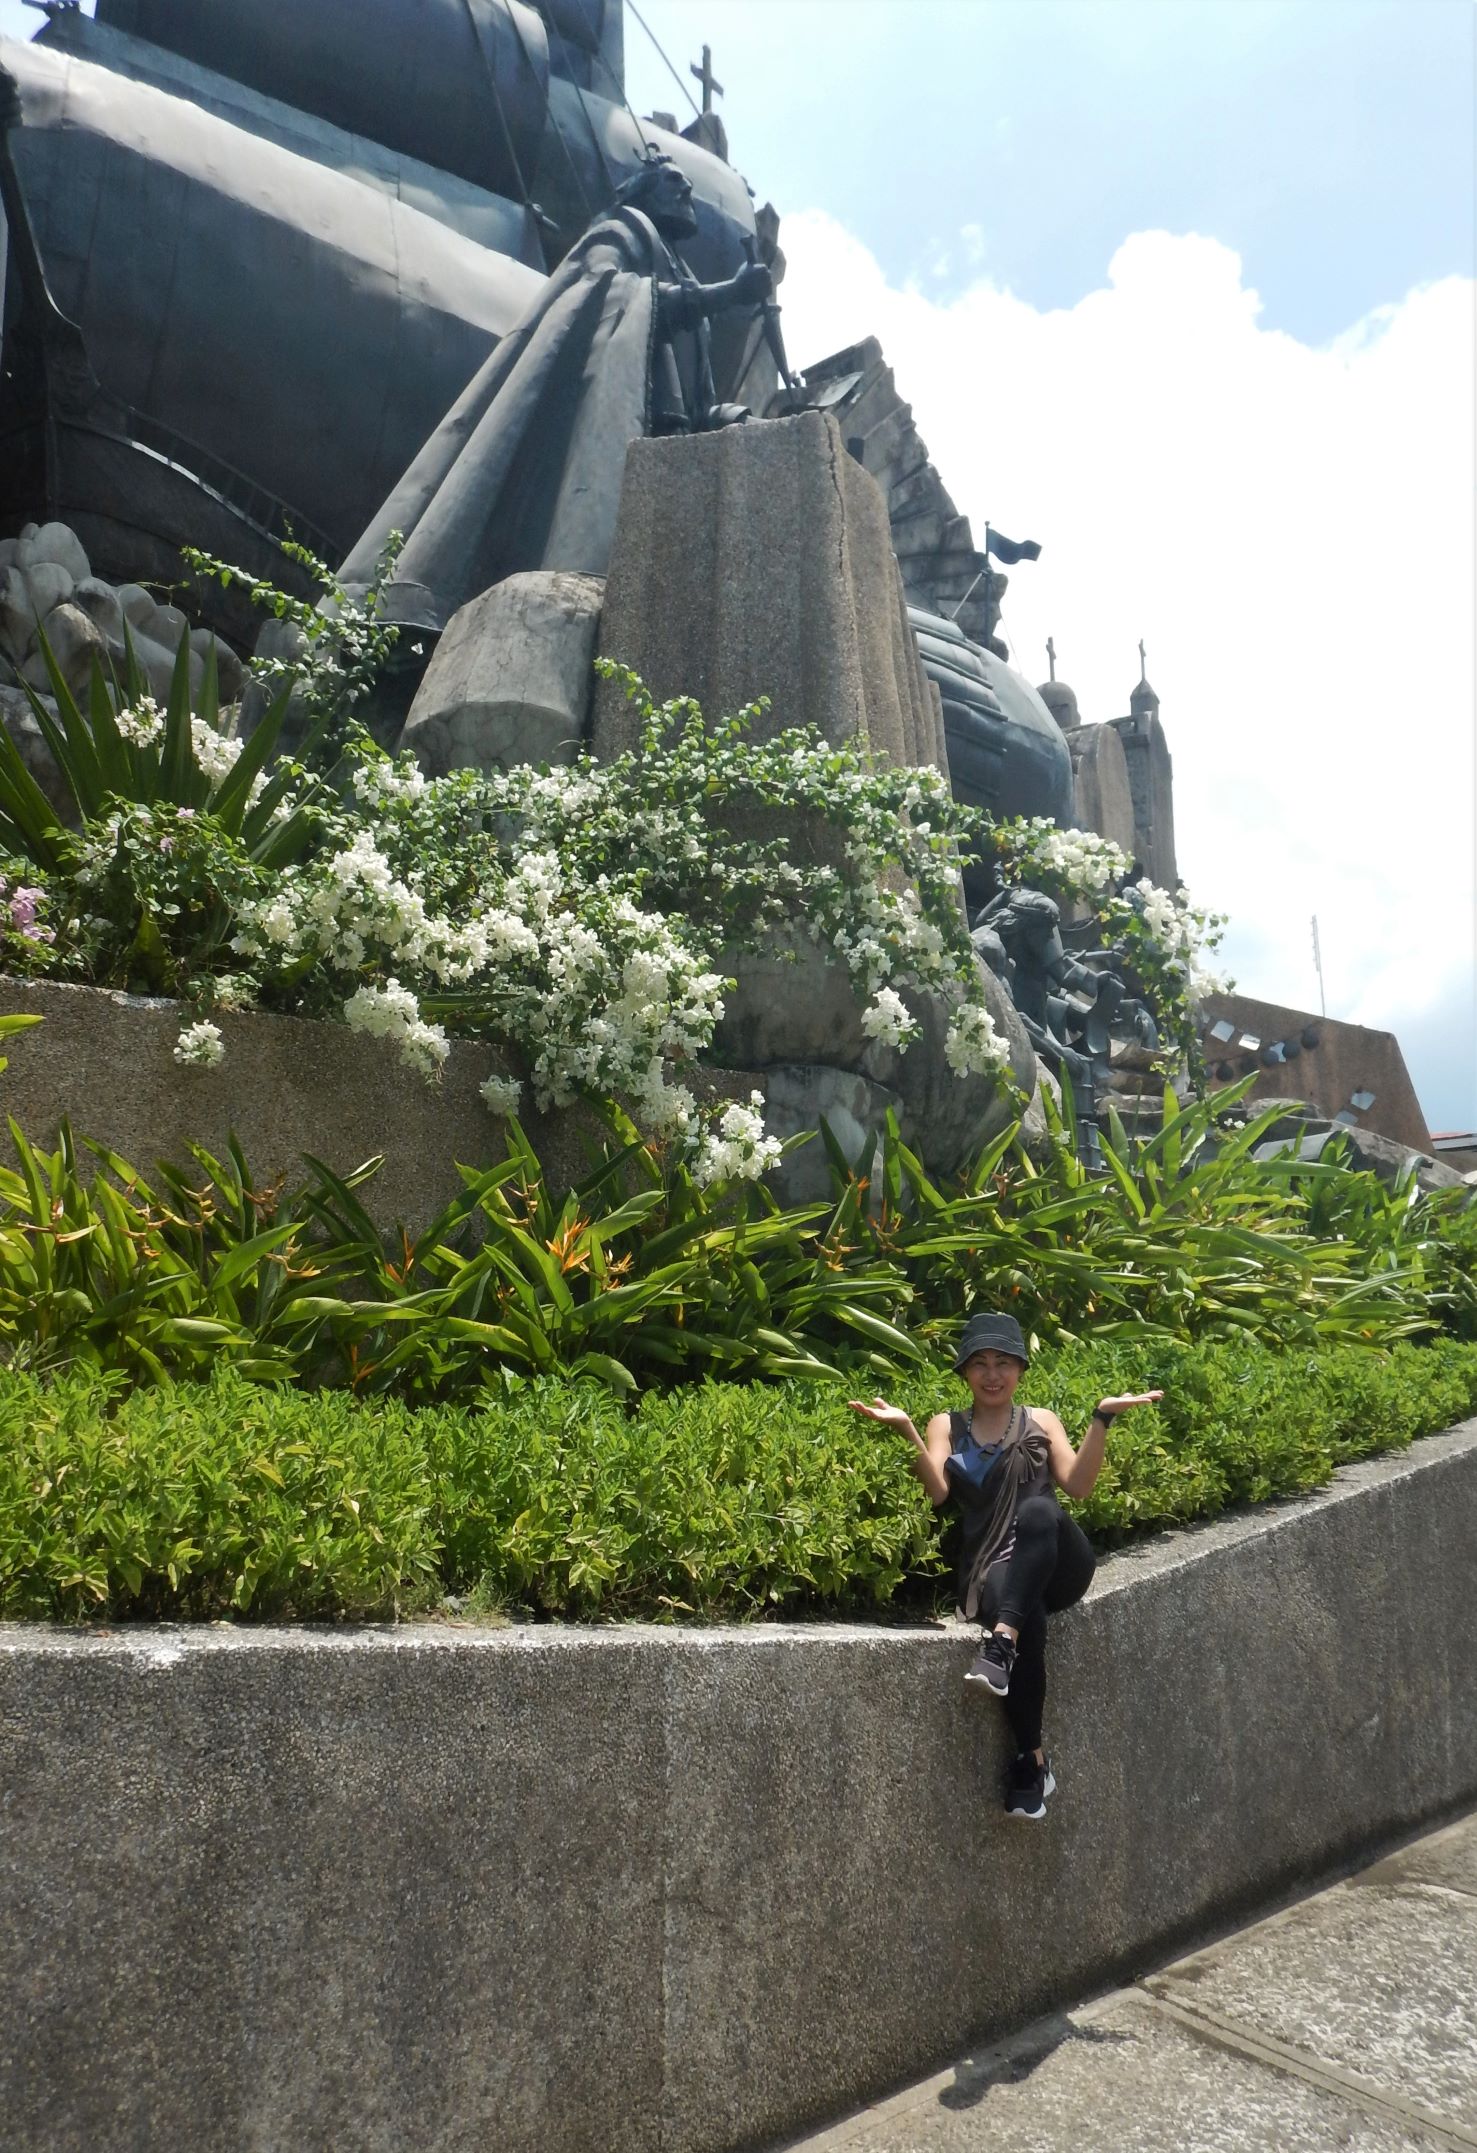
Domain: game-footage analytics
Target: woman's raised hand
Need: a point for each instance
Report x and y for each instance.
(1121, 1405)
(890, 1416)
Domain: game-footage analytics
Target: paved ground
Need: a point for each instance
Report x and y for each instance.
(1347, 2021)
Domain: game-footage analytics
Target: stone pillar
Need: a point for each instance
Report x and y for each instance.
(1151, 783)
(758, 561)
(1101, 791)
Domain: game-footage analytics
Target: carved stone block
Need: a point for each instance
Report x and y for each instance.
(511, 678)
(758, 561)
(795, 1003)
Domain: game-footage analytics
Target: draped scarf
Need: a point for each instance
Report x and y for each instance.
(990, 1514)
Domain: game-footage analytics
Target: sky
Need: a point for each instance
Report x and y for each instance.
(1182, 289)
(1184, 292)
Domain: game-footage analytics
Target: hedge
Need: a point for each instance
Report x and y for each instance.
(712, 1501)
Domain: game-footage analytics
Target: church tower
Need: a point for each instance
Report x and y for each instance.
(1150, 781)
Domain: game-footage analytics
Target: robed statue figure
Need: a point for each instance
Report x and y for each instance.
(525, 469)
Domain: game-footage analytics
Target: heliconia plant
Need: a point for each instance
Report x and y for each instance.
(646, 1275)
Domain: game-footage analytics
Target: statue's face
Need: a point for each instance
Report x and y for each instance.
(667, 200)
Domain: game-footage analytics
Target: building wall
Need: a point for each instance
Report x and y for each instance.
(1347, 1060)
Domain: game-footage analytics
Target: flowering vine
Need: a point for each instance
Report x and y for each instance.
(583, 918)
(1162, 936)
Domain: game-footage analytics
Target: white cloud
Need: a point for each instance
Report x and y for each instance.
(1291, 531)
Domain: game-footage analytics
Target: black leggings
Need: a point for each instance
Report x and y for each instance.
(1050, 1567)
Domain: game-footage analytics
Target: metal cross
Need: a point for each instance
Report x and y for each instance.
(1051, 656)
(712, 87)
(1143, 665)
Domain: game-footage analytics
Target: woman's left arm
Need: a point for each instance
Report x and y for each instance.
(1075, 1471)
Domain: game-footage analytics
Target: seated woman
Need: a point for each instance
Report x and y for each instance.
(1020, 1556)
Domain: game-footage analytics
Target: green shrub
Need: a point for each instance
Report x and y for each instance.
(1185, 1235)
(554, 1498)
(199, 1501)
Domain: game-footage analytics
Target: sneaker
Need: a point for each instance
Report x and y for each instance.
(992, 1664)
(1027, 1786)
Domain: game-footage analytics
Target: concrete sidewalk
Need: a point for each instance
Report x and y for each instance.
(1347, 2021)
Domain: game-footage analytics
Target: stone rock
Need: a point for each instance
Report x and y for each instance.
(17, 621)
(138, 604)
(99, 601)
(74, 641)
(167, 625)
(511, 679)
(33, 671)
(1307, 1134)
(19, 721)
(48, 584)
(155, 660)
(1102, 796)
(228, 667)
(947, 1118)
(284, 640)
(757, 561)
(797, 1005)
(797, 1097)
(54, 543)
(1035, 1129)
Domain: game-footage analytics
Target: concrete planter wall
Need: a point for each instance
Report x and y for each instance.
(286, 1087)
(677, 1892)
(289, 1087)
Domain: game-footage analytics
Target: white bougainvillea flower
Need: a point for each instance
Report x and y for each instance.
(501, 1094)
(200, 1046)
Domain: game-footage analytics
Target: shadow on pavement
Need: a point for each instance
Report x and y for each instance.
(1007, 2067)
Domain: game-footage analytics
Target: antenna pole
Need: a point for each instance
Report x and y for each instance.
(1318, 967)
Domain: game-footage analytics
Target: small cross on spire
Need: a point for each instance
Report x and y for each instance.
(1143, 665)
(1051, 656)
(712, 87)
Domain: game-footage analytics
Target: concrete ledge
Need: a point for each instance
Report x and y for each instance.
(683, 1891)
(287, 1086)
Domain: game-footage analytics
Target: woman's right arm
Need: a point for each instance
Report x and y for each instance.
(930, 1450)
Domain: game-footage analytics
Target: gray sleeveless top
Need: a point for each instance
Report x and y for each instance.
(1019, 1465)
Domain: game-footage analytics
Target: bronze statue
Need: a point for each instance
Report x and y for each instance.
(1074, 1007)
(285, 266)
(1019, 936)
(525, 470)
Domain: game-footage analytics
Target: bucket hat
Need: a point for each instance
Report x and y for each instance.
(985, 1334)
